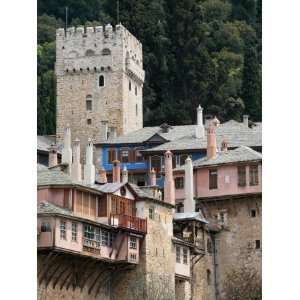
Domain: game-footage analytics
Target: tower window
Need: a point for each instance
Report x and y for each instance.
(208, 276)
(106, 51)
(89, 121)
(135, 90)
(257, 244)
(101, 80)
(89, 103)
(253, 213)
(136, 109)
(129, 85)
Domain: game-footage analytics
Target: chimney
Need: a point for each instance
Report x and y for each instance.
(124, 175)
(224, 146)
(89, 168)
(199, 128)
(153, 177)
(104, 130)
(211, 138)
(246, 120)
(189, 202)
(102, 179)
(169, 187)
(116, 171)
(52, 161)
(76, 165)
(67, 151)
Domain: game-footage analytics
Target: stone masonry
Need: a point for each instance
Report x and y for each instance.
(100, 79)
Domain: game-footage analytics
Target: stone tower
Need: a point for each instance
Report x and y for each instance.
(100, 80)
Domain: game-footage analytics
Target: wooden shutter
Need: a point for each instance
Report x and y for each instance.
(131, 155)
(102, 207)
(66, 198)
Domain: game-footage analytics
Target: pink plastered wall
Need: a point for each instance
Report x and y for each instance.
(227, 182)
(55, 196)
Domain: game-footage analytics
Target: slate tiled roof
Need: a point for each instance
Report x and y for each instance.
(53, 177)
(198, 216)
(109, 187)
(144, 134)
(45, 207)
(241, 154)
(236, 134)
(45, 141)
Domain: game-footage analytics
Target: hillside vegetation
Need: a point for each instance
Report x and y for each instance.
(195, 51)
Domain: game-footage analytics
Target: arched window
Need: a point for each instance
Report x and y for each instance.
(129, 85)
(106, 51)
(208, 276)
(101, 80)
(89, 52)
(89, 103)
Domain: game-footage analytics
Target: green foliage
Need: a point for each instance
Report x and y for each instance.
(195, 51)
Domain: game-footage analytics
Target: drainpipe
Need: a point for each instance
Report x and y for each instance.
(215, 266)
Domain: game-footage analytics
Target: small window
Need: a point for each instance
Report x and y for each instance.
(101, 80)
(253, 213)
(151, 213)
(45, 227)
(89, 103)
(63, 230)
(253, 170)
(185, 256)
(208, 276)
(241, 176)
(179, 183)
(124, 156)
(129, 85)
(106, 51)
(178, 260)
(104, 237)
(138, 155)
(135, 90)
(74, 231)
(132, 256)
(89, 121)
(257, 244)
(213, 179)
(136, 110)
(209, 246)
(132, 243)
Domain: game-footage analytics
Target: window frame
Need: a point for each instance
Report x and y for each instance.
(242, 181)
(253, 175)
(185, 256)
(151, 213)
(63, 230)
(89, 100)
(45, 227)
(257, 244)
(101, 81)
(132, 242)
(178, 254)
(213, 179)
(74, 232)
(122, 150)
(179, 183)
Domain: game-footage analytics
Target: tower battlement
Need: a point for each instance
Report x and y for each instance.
(100, 77)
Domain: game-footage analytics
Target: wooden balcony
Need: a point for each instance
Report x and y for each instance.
(198, 242)
(130, 222)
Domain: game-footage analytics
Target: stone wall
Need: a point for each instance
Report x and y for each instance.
(79, 64)
(236, 243)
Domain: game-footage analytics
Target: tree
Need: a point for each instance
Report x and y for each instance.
(243, 284)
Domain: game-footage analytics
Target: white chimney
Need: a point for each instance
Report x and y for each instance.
(89, 168)
(200, 127)
(67, 150)
(124, 175)
(76, 165)
(189, 202)
(52, 161)
(246, 120)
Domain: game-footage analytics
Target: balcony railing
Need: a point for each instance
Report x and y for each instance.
(129, 222)
(198, 242)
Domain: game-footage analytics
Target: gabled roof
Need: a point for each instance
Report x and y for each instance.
(241, 154)
(145, 134)
(110, 187)
(236, 134)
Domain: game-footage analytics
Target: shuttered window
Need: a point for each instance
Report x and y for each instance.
(213, 179)
(102, 207)
(242, 176)
(253, 174)
(111, 155)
